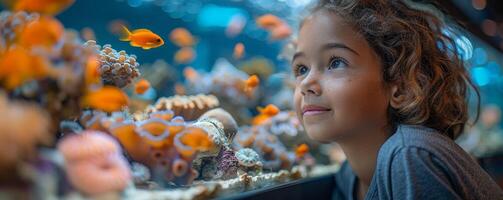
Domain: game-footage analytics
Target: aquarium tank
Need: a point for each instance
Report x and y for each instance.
(164, 99)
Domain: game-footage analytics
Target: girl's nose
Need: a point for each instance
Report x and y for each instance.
(311, 85)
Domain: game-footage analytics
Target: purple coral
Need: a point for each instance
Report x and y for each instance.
(228, 163)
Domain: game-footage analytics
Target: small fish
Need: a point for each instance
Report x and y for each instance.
(141, 86)
(107, 98)
(18, 66)
(48, 7)
(239, 50)
(301, 150)
(88, 34)
(277, 28)
(143, 38)
(185, 55)
(270, 110)
(281, 32)
(265, 114)
(182, 37)
(251, 83)
(190, 74)
(268, 21)
(236, 25)
(180, 89)
(46, 32)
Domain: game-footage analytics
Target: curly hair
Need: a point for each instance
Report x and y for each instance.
(418, 55)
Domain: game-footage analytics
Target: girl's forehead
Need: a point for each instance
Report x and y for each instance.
(324, 27)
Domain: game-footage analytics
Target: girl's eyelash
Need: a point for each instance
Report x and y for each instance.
(297, 68)
(333, 58)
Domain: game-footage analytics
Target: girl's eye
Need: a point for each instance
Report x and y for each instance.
(337, 62)
(300, 70)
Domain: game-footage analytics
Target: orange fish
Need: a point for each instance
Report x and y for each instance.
(182, 37)
(281, 32)
(17, 66)
(265, 114)
(190, 74)
(143, 38)
(107, 98)
(88, 34)
(269, 110)
(235, 26)
(251, 83)
(301, 150)
(180, 89)
(46, 32)
(239, 50)
(185, 55)
(141, 86)
(49, 7)
(268, 21)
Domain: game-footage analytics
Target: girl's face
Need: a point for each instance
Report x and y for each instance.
(339, 89)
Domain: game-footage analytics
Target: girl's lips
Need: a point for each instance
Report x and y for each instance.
(314, 110)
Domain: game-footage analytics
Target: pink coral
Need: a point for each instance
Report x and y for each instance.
(94, 162)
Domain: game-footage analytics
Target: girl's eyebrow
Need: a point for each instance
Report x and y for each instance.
(297, 55)
(338, 46)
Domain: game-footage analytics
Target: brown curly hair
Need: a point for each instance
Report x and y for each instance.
(417, 55)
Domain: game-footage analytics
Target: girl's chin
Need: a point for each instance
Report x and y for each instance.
(322, 135)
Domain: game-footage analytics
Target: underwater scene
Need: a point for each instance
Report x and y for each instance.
(167, 99)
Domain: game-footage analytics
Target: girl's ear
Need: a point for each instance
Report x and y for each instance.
(397, 97)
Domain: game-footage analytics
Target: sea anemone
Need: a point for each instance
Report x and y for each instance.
(94, 163)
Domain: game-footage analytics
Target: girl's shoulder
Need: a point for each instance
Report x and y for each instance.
(417, 162)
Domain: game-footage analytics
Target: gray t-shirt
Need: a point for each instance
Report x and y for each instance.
(417, 162)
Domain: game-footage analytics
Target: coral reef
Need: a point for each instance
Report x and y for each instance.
(11, 23)
(189, 107)
(94, 163)
(163, 142)
(18, 141)
(117, 68)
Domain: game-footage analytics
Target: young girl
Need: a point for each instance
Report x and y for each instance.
(382, 79)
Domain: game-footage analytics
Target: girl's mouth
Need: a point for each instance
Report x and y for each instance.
(309, 110)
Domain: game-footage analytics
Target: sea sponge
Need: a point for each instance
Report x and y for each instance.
(94, 163)
(116, 68)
